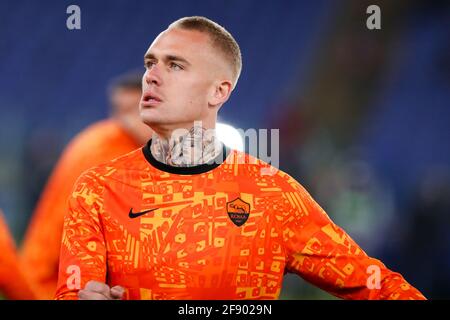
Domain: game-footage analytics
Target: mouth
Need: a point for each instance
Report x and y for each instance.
(150, 99)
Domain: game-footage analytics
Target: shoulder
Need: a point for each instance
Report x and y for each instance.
(131, 161)
(257, 169)
(262, 176)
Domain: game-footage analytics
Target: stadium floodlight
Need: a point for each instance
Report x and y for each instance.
(230, 136)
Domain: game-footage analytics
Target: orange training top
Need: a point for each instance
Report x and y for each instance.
(217, 231)
(98, 143)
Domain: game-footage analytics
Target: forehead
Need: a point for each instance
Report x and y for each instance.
(179, 41)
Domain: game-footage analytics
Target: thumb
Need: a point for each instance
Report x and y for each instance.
(117, 292)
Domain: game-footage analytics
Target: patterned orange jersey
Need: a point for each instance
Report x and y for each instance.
(99, 143)
(218, 231)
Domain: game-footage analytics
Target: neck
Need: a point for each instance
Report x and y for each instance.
(193, 147)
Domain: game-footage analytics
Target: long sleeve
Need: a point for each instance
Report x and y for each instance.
(325, 255)
(83, 251)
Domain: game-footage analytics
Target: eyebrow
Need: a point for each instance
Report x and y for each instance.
(168, 57)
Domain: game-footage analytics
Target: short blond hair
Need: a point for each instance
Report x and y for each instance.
(220, 37)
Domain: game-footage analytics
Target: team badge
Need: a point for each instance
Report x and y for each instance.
(238, 211)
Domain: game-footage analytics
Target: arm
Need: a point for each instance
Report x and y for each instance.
(83, 251)
(325, 255)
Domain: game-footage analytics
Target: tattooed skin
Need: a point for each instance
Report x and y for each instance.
(198, 146)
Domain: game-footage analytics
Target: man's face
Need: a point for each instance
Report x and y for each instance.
(181, 70)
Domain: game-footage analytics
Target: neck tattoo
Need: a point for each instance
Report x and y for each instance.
(198, 146)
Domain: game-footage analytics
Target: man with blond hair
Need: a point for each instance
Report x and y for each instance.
(185, 217)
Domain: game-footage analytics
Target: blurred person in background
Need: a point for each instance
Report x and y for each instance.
(13, 283)
(100, 142)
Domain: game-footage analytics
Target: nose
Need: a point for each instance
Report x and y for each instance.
(152, 75)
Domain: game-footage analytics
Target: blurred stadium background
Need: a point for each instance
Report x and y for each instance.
(363, 114)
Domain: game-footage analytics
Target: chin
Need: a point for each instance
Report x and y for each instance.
(151, 123)
(155, 122)
(149, 116)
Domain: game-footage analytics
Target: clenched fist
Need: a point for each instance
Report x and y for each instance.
(95, 290)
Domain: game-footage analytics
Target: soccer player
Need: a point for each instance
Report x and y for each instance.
(100, 142)
(184, 217)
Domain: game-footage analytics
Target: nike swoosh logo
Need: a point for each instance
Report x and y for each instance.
(133, 215)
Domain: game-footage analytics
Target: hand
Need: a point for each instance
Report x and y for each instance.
(95, 290)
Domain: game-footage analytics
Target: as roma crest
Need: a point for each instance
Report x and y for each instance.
(238, 211)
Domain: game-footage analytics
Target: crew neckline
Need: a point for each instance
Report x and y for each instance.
(198, 169)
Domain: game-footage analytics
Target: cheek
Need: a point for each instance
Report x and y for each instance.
(188, 94)
(191, 97)
(203, 92)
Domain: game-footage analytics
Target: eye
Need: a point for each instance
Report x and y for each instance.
(175, 66)
(148, 64)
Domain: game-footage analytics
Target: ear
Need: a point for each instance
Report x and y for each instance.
(221, 92)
